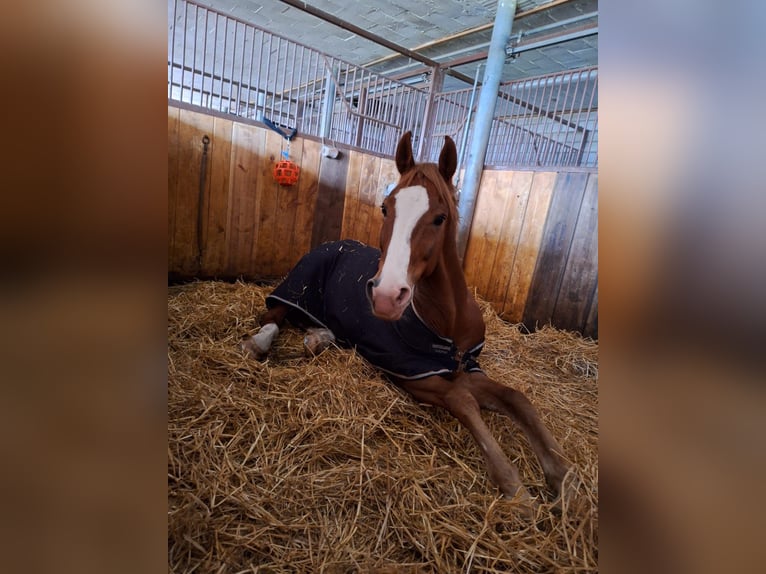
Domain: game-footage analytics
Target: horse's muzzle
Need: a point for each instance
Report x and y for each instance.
(388, 303)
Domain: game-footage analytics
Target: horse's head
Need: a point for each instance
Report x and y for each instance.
(419, 222)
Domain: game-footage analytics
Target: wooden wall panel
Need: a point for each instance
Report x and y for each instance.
(353, 191)
(581, 269)
(485, 229)
(184, 246)
(367, 188)
(331, 195)
(308, 186)
(528, 246)
(174, 158)
(247, 147)
(286, 215)
(387, 175)
(559, 231)
(263, 262)
(216, 201)
(508, 238)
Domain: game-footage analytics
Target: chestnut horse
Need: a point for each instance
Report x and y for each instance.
(408, 311)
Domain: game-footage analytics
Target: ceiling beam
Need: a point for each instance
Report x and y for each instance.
(523, 46)
(332, 19)
(470, 31)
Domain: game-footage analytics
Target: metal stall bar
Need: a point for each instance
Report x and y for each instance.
(501, 32)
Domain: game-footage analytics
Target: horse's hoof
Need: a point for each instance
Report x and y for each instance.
(252, 350)
(316, 341)
(527, 505)
(565, 489)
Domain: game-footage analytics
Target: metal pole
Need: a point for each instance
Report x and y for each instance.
(327, 105)
(501, 33)
(461, 154)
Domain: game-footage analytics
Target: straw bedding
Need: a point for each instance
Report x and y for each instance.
(320, 465)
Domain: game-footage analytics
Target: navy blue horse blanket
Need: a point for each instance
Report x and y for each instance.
(327, 288)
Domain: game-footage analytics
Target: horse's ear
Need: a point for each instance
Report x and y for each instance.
(448, 159)
(404, 160)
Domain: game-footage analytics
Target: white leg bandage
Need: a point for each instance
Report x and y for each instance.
(265, 337)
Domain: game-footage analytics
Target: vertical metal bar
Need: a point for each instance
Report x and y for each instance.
(311, 83)
(284, 56)
(260, 98)
(531, 125)
(171, 61)
(267, 38)
(215, 63)
(542, 125)
(233, 59)
(589, 130)
(550, 124)
(224, 59)
(250, 77)
(183, 54)
(327, 106)
(290, 98)
(279, 76)
(581, 104)
(426, 128)
(194, 52)
(240, 111)
(469, 115)
(524, 124)
(204, 60)
(299, 98)
(520, 132)
(561, 127)
(572, 107)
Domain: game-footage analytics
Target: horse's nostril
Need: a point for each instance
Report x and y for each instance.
(403, 294)
(370, 284)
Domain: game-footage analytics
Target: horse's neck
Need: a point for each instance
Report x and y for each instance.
(443, 302)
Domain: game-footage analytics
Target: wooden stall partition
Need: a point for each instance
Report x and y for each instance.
(388, 177)
(247, 146)
(366, 185)
(307, 191)
(507, 255)
(237, 222)
(485, 231)
(353, 202)
(532, 250)
(330, 201)
(505, 237)
(568, 257)
(580, 277)
(215, 203)
(174, 158)
(527, 246)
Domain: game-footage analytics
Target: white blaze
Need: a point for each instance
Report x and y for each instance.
(409, 204)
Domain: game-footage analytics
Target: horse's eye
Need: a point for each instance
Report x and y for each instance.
(440, 219)
(384, 210)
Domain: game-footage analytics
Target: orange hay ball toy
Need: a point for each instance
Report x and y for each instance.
(286, 172)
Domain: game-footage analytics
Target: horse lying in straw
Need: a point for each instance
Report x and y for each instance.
(407, 310)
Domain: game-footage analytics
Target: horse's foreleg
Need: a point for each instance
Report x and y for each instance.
(510, 402)
(259, 345)
(461, 403)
